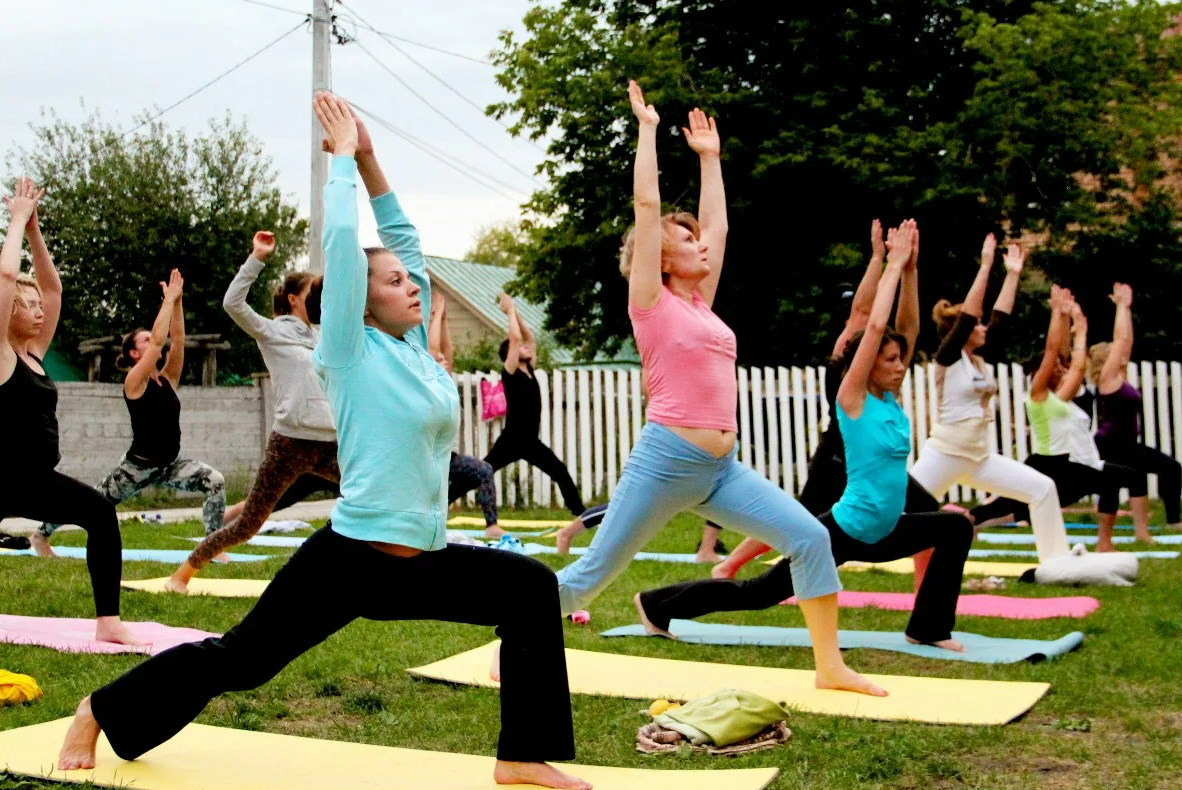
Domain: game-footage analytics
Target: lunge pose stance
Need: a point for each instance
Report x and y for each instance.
(303, 440)
(868, 522)
(150, 393)
(464, 471)
(29, 485)
(385, 556)
(684, 458)
(1061, 432)
(827, 470)
(519, 440)
(958, 449)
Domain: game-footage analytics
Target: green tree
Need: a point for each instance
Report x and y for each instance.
(971, 115)
(120, 212)
(498, 244)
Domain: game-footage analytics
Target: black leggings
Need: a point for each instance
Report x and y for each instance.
(932, 620)
(53, 497)
(1074, 481)
(511, 446)
(305, 486)
(154, 700)
(1145, 461)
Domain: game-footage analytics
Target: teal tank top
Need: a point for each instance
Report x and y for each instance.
(876, 448)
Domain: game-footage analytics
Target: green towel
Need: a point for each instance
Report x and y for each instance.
(726, 716)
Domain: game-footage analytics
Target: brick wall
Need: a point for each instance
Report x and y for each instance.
(223, 426)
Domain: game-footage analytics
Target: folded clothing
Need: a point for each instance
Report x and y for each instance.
(1081, 567)
(724, 717)
(652, 738)
(17, 689)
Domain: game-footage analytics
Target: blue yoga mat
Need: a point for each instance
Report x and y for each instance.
(978, 649)
(1020, 538)
(1081, 525)
(538, 548)
(1141, 555)
(133, 555)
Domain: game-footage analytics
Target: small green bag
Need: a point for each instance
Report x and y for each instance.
(726, 716)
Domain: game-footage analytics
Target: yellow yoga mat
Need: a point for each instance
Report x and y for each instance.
(220, 588)
(514, 523)
(931, 700)
(1011, 570)
(201, 757)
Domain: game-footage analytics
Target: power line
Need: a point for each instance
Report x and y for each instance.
(277, 7)
(461, 168)
(389, 40)
(444, 115)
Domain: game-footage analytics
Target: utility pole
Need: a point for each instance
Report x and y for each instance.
(322, 26)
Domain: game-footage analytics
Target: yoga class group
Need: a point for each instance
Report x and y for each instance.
(366, 408)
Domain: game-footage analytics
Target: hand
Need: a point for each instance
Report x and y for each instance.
(877, 247)
(645, 113)
(364, 141)
(1066, 302)
(1079, 321)
(23, 203)
(899, 244)
(505, 303)
(339, 124)
(173, 288)
(702, 134)
(988, 250)
(1014, 259)
(914, 259)
(437, 303)
(1122, 295)
(264, 244)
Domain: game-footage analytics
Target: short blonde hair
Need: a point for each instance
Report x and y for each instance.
(668, 222)
(25, 281)
(1097, 356)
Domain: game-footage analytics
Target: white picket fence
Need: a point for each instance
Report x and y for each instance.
(591, 419)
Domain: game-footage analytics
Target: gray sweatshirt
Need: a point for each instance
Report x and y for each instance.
(301, 410)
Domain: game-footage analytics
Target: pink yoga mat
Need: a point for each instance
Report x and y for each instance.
(980, 605)
(77, 636)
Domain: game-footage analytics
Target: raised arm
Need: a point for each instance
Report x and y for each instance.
(1062, 303)
(516, 337)
(1014, 260)
(137, 378)
(1122, 340)
(851, 395)
(1070, 384)
(435, 329)
(49, 282)
(974, 303)
(234, 302)
(907, 319)
(864, 296)
(346, 270)
(20, 206)
(644, 279)
(174, 366)
(445, 345)
(702, 137)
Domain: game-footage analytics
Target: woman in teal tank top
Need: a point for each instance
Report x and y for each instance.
(868, 523)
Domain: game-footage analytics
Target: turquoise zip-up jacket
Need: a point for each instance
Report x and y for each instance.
(396, 410)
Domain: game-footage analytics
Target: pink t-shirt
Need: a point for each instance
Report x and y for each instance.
(689, 355)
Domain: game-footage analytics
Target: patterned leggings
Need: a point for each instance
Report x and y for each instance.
(467, 473)
(183, 474)
(286, 460)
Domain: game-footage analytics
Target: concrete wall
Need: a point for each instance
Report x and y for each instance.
(224, 426)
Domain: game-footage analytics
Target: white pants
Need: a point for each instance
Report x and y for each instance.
(937, 471)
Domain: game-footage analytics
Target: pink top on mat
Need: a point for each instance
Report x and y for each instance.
(689, 354)
(979, 605)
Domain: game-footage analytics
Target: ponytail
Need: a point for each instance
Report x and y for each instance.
(124, 362)
(945, 314)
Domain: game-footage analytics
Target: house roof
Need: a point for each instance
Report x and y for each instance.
(480, 285)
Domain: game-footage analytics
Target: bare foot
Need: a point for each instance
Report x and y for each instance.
(723, 570)
(1105, 546)
(179, 581)
(492, 532)
(494, 670)
(78, 748)
(843, 678)
(1141, 535)
(567, 534)
(222, 558)
(112, 629)
(945, 644)
(540, 774)
(710, 557)
(41, 545)
(649, 628)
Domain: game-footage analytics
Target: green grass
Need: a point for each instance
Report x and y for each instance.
(1112, 719)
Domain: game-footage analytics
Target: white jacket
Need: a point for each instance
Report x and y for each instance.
(301, 410)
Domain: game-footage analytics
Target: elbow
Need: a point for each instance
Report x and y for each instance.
(8, 276)
(644, 201)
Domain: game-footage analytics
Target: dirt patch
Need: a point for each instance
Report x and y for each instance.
(1054, 773)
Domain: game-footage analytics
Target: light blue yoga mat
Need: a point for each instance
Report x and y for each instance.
(538, 548)
(133, 555)
(978, 649)
(1141, 555)
(1020, 538)
(1081, 525)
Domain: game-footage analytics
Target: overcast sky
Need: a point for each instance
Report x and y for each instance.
(124, 56)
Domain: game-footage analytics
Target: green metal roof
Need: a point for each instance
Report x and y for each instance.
(482, 284)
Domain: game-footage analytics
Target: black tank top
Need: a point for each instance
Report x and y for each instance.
(29, 402)
(523, 400)
(155, 424)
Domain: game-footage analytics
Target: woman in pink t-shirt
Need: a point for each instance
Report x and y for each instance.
(684, 458)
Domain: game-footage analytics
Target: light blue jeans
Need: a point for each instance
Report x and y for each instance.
(666, 475)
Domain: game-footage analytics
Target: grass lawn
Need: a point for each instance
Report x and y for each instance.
(1112, 718)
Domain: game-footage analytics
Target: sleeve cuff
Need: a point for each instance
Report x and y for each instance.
(386, 208)
(253, 265)
(343, 167)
